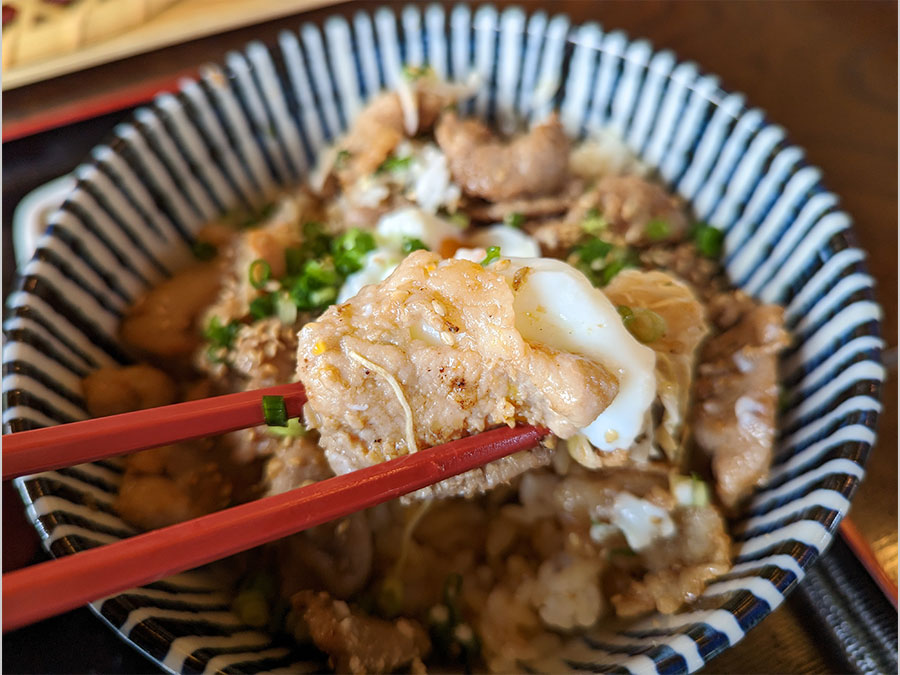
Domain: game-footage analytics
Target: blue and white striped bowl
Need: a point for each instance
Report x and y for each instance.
(255, 125)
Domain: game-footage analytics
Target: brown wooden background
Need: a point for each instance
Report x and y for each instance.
(825, 70)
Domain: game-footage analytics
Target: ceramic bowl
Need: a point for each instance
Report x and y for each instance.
(255, 124)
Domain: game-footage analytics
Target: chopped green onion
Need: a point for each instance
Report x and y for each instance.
(322, 297)
(593, 222)
(413, 73)
(316, 241)
(390, 596)
(252, 608)
(315, 286)
(204, 250)
(644, 324)
(394, 164)
(460, 219)
(657, 230)
(700, 490)
(593, 249)
(216, 354)
(293, 260)
(350, 248)
(285, 309)
(342, 158)
(625, 312)
(252, 603)
(262, 306)
(493, 253)
(600, 261)
(293, 429)
(274, 411)
(514, 219)
(221, 335)
(320, 273)
(411, 244)
(259, 273)
(622, 257)
(708, 240)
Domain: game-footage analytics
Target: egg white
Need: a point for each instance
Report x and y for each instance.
(556, 305)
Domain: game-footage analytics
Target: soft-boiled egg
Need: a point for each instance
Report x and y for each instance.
(511, 240)
(414, 223)
(392, 229)
(377, 266)
(557, 306)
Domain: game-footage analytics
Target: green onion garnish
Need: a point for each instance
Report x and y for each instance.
(657, 230)
(285, 309)
(274, 411)
(322, 297)
(316, 241)
(413, 73)
(204, 250)
(350, 248)
(460, 219)
(393, 164)
(315, 285)
(514, 219)
(593, 222)
(220, 338)
(493, 253)
(644, 324)
(342, 157)
(708, 240)
(621, 258)
(262, 306)
(411, 244)
(293, 429)
(600, 261)
(259, 273)
(612, 269)
(221, 335)
(390, 596)
(293, 260)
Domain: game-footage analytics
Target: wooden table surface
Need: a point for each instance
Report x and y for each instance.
(826, 71)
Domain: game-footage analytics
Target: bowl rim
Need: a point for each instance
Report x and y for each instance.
(843, 239)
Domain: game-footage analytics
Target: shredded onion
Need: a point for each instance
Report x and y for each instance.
(398, 392)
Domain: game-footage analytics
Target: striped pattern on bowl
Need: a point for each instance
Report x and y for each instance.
(255, 124)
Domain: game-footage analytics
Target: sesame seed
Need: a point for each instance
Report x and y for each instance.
(447, 339)
(438, 308)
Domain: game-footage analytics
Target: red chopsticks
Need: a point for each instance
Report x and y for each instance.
(67, 444)
(59, 585)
